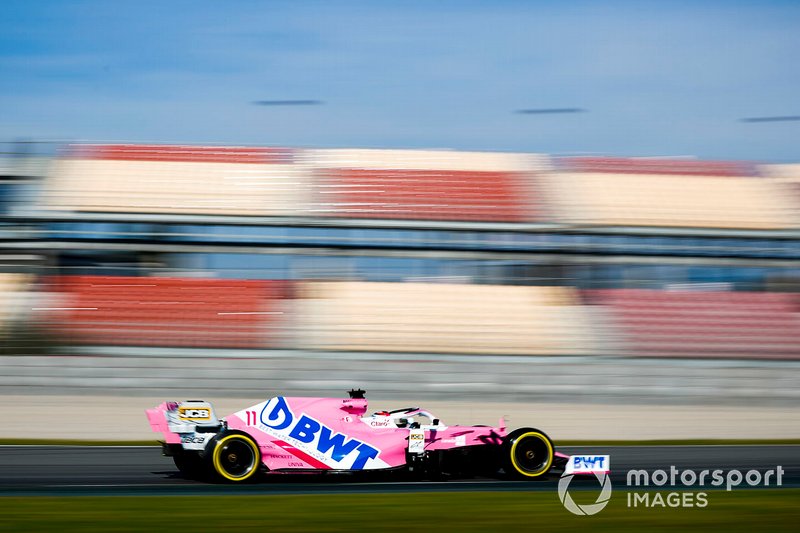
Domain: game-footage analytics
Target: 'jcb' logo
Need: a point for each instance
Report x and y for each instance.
(194, 413)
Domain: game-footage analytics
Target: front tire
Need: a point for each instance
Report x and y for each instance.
(528, 454)
(235, 457)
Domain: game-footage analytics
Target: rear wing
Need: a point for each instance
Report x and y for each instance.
(175, 418)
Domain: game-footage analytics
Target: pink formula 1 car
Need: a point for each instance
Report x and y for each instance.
(334, 434)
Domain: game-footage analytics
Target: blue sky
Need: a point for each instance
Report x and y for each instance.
(661, 78)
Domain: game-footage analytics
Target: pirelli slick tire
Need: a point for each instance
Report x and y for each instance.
(528, 454)
(235, 457)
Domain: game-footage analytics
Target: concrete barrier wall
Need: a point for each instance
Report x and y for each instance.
(116, 417)
(260, 374)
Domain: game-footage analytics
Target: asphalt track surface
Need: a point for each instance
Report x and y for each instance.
(142, 470)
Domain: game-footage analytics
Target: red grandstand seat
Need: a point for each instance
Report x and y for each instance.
(704, 323)
(155, 311)
(187, 153)
(426, 194)
(645, 165)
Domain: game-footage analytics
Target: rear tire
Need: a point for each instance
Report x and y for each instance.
(235, 457)
(528, 454)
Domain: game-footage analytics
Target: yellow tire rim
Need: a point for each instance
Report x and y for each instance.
(547, 464)
(230, 457)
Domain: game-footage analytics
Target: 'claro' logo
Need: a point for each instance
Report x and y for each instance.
(599, 465)
(315, 437)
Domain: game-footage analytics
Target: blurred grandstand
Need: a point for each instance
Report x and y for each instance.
(209, 252)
